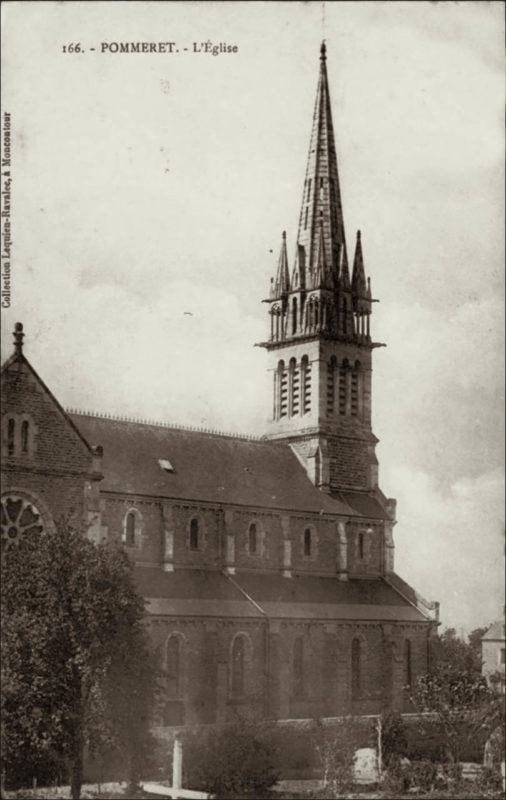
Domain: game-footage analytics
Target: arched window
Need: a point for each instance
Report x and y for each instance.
(237, 683)
(343, 369)
(24, 436)
(316, 314)
(294, 315)
(173, 666)
(356, 667)
(307, 543)
(283, 389)
(130, 529)
(252, 539)
(298, 667)
(408, 676)
(194, 534)
(305, 377)
(11, 432)
(354, 389)
(361, 545)
(331, 385)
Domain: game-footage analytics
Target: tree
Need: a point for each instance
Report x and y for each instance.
(462, 656)
(462, 704)
(69, 614)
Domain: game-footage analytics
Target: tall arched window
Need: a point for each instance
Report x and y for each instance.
(173, 666)
(11, 433)
(354, 389)
(294, 315)
(356, 667)
(194, 534)
(343, 369)
(305, 377)
(237, 684)
(307, 543)
(408, 676)
(24, 436)
(283, 389)
(361, 545)
(130, 529)
(252, 539)
(298, 667)
(331, 385)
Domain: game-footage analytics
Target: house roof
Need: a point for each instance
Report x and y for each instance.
(196, 592)
(495, 632)
(210, 467)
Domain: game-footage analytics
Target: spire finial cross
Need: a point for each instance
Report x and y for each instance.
(18, 338)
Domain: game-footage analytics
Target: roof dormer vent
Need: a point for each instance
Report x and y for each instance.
(166, 465)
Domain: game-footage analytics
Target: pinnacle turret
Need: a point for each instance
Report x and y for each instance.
(282, 284)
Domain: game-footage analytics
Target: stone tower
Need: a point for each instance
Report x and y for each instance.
(320, 342)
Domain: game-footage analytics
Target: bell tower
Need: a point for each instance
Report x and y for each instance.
(320, 342)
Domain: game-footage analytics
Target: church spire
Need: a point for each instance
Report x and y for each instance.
(282, 284)
(321, 202)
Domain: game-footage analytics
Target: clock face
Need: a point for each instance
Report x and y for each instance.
(19, 518)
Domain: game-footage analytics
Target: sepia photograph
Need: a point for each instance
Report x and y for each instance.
(252, 399)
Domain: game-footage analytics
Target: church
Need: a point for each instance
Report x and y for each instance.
(266, 564)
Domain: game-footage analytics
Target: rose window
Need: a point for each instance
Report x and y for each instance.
(19, 518)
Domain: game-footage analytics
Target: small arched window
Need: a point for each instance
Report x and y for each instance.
(173, 666)
(238, 666)
(252, 539)
(298, 667)
(356, 667)
(130, 529)
(408, 676)
(361, 546)
(24, 436)
(294, 315)
(11, 433)
(307, 543)
(194, 534)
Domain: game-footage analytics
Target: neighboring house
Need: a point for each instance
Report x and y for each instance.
(267, 563)
(493, 650)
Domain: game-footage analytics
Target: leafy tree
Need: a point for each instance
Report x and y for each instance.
(70, 614)
(451, 651)
(461, 703)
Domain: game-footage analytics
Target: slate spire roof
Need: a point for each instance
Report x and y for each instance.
(321, 202)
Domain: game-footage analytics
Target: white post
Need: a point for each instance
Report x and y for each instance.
(177, 764)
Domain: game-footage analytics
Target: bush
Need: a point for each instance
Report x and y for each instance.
(235, 761)
(394, 742)
(423, 774)
(489, 781)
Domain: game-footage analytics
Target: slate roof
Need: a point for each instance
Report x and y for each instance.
(495, 632)
(210, 467)
(196, 592)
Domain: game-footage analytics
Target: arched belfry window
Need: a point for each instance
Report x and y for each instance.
(331, 385)
(132, 528)
(283, 389)
(194, 534)
(408, 674)
(252, 539)
(305, 379)
(354, 389)
(298, 667)
(356, 667)
(173, 665)
(343, 379)
(361, 548)
(238, 666)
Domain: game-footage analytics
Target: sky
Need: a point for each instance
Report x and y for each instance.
(150, 185)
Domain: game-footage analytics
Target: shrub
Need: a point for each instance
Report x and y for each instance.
(235, 761)
(336, 745)
(394, 742)
(489, 781)
(423, 774)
